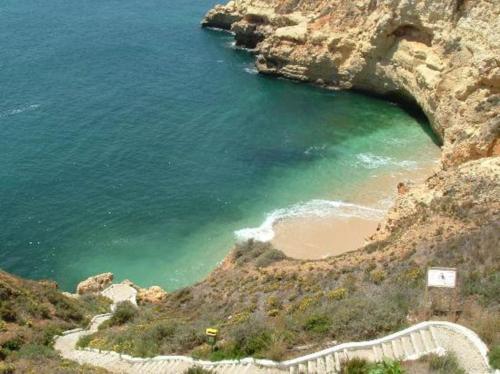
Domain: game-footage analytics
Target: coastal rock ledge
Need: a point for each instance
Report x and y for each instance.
(94, 284)
(98, 283)
(443, 55)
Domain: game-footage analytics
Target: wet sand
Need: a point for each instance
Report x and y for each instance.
(319, 237)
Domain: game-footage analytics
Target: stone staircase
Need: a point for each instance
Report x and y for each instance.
(408, 344)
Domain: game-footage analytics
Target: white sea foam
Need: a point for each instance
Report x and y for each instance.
(313, 208)
(233, 45)
(371, 161)
(218, 29)
(315, 149)
(15, 111)
(251, 70)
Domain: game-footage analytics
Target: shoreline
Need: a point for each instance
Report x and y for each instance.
(314, 237)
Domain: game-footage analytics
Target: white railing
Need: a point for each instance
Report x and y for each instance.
(303, 360)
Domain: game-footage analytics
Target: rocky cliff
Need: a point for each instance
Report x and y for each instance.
(443, 55)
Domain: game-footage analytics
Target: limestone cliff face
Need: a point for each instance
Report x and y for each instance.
(442, 54)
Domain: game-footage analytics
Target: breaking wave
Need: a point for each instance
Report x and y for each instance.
(251, 70)
(313, 208)
(371, 161)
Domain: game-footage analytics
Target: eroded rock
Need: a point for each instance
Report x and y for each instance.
(440, 55)
(151, 295)
(95, 283)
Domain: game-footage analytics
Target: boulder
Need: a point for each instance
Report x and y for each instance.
(95, 284)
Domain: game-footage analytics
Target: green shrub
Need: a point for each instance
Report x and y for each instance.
(255, 343)
(66, 308)
(13, 344)
(355, 366)
(96, 303)
(378, 276)
(125, 312)
(494, 357)
(198, 370)
(337, 294)
(483, 285)
(84, 341)
(444, 364)
(386, 367)
(268, 257)
(6, 368)
(318, 323)
(361, 366)
(249, 339)
(7, 313)
(273, 302)
(261, 254)
(34, 351)
(45, 335)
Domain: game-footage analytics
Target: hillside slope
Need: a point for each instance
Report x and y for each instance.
(31, 313)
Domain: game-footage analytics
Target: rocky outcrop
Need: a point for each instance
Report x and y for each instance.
(459, 198)
(222, 17)
(151, 295)
(442, 55)
(94, 284)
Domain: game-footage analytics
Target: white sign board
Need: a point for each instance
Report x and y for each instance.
(441, 277)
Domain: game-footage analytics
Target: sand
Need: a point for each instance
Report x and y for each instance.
(319, 237)
(315, 238)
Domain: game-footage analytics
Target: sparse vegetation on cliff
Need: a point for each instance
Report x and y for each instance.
(31, 314)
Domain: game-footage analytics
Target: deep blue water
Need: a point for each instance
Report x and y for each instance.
(135, 142)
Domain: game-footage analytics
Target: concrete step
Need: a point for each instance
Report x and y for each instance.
(311, 367)
(229, 369)
(321, 365)
(147, 367)
(337, 361)
(376, 352)
(360, 353)
(302, 369)
(246, 369)
(387, 350)
(159, 366)
(407, 346)
(177, 367)
(330, 363)
(434, 338)
(417, 343)
(425, 340)
(397, 349)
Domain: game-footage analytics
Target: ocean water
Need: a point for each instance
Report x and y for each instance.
(135, 142)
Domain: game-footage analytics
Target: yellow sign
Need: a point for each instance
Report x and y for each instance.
(211, 332)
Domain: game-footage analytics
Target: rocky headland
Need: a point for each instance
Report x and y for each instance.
(443, 56)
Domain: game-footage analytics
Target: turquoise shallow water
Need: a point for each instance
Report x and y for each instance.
(135, 142)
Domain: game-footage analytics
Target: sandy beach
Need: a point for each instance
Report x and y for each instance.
(319, 237)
